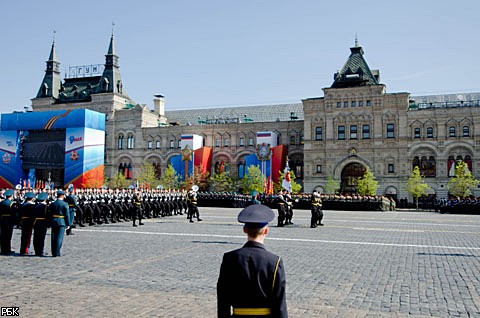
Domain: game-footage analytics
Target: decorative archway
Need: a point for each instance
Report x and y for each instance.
(349, 173)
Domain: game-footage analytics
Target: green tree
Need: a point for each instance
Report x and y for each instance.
(366, 185)
(463, 182)
(416, 185)
(146, 176)
(277, 186)
(253, 180)
(170, 179)
(331, 186)
(118, 181)
(222, 182)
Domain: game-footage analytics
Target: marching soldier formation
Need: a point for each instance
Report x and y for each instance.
(35, 211)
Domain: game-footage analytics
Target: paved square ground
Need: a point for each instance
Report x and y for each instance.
(361, 264)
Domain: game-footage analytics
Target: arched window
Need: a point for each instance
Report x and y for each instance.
(416, 162)
(226, 142)
(451, 166)
(150, 144)
(431, 167)
(423, 165)
(468, 161)
(158, 170)
(130, 141)
(451, 131)
(105, 85)
(120, 141)
(466, 131)
(45, 89)
(429, 132)
(292, 140)
(416, 133)
(158, 144)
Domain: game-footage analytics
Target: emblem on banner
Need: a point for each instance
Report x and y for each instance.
(264, 152)
(74, 155)
(6, 158)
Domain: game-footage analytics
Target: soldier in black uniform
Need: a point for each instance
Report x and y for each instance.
(252, 280)
(288, 206)
(192, 206)
(137, 209)
(7, 222)
(317, 214)
(40, 225)
(27, 219)
(282, 208)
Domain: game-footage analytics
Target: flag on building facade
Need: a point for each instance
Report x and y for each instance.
(287, 181)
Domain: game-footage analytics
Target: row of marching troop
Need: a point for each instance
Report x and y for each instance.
(33, 211)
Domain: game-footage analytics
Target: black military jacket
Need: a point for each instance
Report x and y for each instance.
(251, 277)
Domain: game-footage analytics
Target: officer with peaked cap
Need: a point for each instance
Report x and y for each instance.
(40, 225)
(27, 219)
(60, 216)
(7, 222)
(252, 280)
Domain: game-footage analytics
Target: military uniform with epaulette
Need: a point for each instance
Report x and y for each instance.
(317, 214)
(59, 215)
(7, 222)
(27, 219)
(41, 223)
(192, 206)
(252, 280)
(282, 208)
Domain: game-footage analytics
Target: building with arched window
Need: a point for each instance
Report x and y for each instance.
(355, 124)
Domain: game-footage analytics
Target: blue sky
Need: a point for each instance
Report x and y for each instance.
(226, 53)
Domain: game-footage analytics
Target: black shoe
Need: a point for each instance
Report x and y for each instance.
(321, 224)
(313, 226)
(140, 223)
(191, 221)
(199, 220)
(70, 233)
(81, 225)
(134, 225)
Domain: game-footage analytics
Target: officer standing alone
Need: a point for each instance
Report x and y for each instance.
(252, 280)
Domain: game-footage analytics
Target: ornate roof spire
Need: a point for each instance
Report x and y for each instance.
(356, 72)
(51, 81)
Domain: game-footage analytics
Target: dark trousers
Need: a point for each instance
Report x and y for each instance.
(137, 213)
(27, 228)
(39, 233)
(320, 215)
(57, 239)
(281, 215)
(314, 219)
(193, 212)
(6, 232)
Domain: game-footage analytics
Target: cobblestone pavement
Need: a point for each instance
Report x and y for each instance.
(361, 264)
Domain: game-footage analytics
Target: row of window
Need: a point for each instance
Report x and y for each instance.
(176, 143)
(390, 168)
(354, 103)
(130, 142)
(353, 133)
(452, 132)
